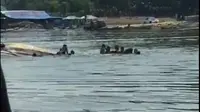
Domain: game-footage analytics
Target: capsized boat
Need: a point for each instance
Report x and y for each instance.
(26, 49)
(6, 53)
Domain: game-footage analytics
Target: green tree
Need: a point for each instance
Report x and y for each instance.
(108, 7)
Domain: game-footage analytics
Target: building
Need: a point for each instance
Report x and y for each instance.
(15, 16)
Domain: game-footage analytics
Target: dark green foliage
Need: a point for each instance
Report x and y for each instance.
(108, 7)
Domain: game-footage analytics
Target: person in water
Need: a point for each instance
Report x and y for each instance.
(121, 49)
(103, 49)
(107, 49)
(116, 49)
(36, 55)
(63, 50)
(71, 52)
(59, 52)
(136, 51)
(128, 51)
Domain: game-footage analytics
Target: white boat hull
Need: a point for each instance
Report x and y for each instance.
(24, 49)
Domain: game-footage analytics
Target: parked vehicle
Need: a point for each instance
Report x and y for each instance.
(151, 20)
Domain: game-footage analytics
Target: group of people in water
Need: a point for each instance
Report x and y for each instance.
(105, 49)
(64, 50)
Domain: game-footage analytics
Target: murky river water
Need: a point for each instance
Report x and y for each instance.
(163, 78)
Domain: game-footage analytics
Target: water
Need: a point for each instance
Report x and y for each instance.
(163, 78)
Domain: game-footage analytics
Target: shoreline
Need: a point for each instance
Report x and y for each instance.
(130, 20)
(135, 22)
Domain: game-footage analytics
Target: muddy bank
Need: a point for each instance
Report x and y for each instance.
(25, 24)
(129, 20)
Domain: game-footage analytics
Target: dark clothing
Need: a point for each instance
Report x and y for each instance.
(61, 53)
(64, 50)
(102, 50)
(128, 51)
(122, 50)
(113, 52)
(108, 49)
(136, 51)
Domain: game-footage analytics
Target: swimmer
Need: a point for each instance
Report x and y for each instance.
(136, 51)
(103, 49)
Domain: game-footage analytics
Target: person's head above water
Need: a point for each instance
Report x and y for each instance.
(122, 49)
(103, 49)
(64, 45)
(72, 52)
(116, 47)
(136, 51)
(103, 45)
(107, 49)
(34, 54)
(64, 49)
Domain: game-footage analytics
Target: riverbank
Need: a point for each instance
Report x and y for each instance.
(118, 23)
(130, 20)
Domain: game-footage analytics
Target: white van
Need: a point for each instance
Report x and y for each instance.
(149, 20)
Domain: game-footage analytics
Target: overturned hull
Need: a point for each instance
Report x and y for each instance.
(24, 49)
(6, 53)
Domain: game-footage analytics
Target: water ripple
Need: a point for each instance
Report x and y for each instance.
(163, 78)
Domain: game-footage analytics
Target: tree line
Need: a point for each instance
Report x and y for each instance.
(112, 8)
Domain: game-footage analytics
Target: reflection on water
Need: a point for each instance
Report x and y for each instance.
(163, 78)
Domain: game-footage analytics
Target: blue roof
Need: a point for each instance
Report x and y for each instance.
(26, 14)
